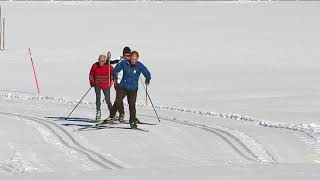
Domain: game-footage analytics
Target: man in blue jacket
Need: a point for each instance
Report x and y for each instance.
(128, 86)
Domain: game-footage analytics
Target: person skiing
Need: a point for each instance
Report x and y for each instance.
(100, 78)
(125, 56)
(128, 86)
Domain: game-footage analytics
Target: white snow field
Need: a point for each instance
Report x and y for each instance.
(236, 86)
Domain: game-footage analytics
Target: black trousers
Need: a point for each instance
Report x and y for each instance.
(121, 106)
(131, 97)
(106, 93)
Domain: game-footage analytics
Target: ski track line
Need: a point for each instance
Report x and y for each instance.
(81, 149)
(310, 132)
(253, 157)
(225, 139)
(293, 127)
(273, 160)
(225, 136)
(206, 128)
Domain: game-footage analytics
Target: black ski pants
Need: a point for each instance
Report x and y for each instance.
(131, 97)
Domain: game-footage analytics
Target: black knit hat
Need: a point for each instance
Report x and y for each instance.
(126, 50)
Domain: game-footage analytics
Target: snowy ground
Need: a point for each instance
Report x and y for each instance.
(235, 85)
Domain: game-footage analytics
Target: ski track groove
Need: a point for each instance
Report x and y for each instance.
(215, 131)
(81, 149)
(68, 102)
(225, 139)
(244, 118)
(269, 154)
(219, 133)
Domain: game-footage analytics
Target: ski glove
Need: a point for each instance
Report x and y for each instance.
(147, 81)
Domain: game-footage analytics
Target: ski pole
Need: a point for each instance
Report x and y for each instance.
(146, 95)
(152, 105)
(145, 87)
(78, 103)
(145, 90)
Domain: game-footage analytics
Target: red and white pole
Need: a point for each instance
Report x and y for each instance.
(34, 72)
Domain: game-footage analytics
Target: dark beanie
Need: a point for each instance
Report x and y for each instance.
(126, 50)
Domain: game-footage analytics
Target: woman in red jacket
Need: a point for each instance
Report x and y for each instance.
(101, 79)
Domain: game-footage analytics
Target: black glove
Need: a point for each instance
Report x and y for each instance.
(147, 81)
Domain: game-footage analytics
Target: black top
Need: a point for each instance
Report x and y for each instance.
(114, 61)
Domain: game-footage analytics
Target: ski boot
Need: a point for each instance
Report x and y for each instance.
(121, 118)
(98, 115)
(133, 124)
(137, 121)
(109, 120)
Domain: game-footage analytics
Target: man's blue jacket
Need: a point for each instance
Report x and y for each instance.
(131, 74)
